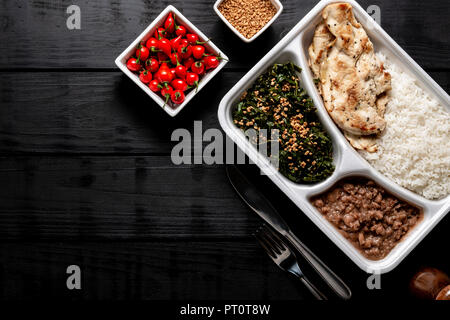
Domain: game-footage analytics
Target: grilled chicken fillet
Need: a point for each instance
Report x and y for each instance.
(353, 83)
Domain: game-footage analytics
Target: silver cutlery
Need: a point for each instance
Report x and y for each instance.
(284, 258)
(258, 203)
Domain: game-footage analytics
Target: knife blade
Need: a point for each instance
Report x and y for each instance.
(259, 204)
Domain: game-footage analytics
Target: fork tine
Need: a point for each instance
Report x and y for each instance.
(269, 242)
(274, 239)
(280, 253)
(264, 244)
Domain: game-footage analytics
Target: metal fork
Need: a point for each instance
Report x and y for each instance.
(284, 257)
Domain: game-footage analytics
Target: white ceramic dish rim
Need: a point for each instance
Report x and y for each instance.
(126, 54)
(348, 161)
(277, 5)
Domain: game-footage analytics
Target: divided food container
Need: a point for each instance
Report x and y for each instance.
(121, 60)
(294, 47)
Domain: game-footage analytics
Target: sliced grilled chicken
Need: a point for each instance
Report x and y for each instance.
(353, 83)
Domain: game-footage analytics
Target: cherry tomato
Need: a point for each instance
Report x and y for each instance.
(179, 84)
(152, 65)
(166, 92)
(198, 67)
(192, 79)
(145, 76)
(154, 85)
(198, 51)
(169, 24)
(160, 33)
(188, 62)
(174, 59)
(142, 52)
(183, 43)
(134, 64)
(173, 72)
(162, 57)
(180, 31)
(164, 74)
(184, 50)
(181, 71)
(163, 65)
(192, 38)
(175, 42)
(211, 62)
(152, 44)
(164, 46)
(177, 96)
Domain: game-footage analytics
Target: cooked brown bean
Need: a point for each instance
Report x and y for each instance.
(368, 216)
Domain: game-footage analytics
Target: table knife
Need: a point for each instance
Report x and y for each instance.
(258, 203)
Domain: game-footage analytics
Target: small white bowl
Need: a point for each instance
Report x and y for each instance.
(121, 60)
(276, 3)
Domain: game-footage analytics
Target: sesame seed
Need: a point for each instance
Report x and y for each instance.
(248, 16)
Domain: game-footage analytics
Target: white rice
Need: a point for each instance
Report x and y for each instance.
(414, 149)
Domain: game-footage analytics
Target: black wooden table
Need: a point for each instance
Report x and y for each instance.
(87, 179)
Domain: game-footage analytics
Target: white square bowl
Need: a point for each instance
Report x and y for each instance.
(121, 60)
(276, 3)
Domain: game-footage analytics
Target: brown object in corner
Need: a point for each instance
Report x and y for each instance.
(428, 282)
(444, 294)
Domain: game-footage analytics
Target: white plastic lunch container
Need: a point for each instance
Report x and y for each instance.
(276, 3)
(294, 47)
(121, 60)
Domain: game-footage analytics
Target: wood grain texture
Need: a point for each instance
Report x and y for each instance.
(95, 112)
(34, 33)
(117, 198)
(101, 113)
(158, 270)
(189, 270)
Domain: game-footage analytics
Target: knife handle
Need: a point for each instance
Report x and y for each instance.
(332, 280)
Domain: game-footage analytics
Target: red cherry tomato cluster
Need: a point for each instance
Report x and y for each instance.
(172, 61)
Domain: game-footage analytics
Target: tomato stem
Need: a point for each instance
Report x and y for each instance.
(139, 57)
(221, 58)
(165, 30)
(203, 42)
(174, 22)
(167, 99)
